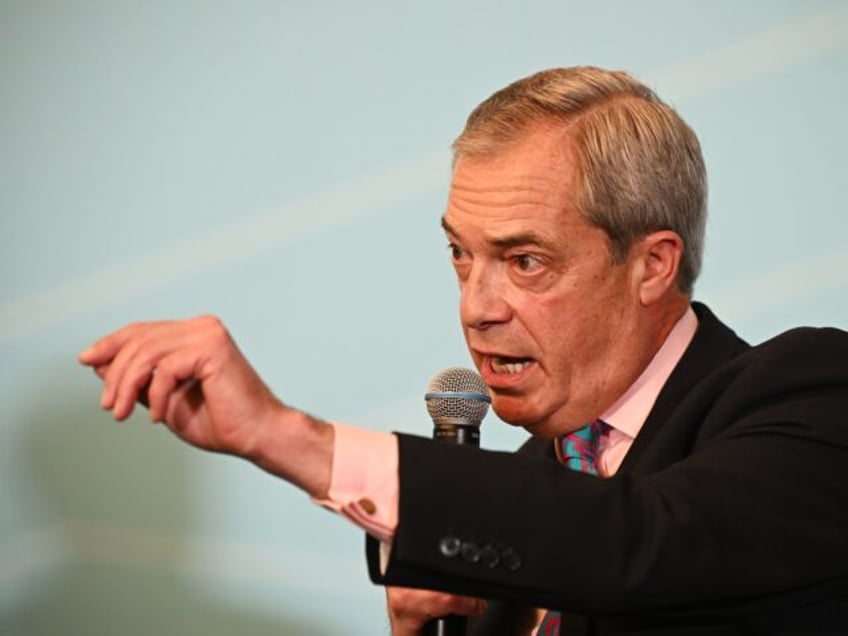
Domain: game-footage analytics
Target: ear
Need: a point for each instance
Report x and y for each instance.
(659, 256)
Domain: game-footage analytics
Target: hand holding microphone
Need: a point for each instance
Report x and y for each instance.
(457, 401)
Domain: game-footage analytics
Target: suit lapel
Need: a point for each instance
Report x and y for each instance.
(713, 345)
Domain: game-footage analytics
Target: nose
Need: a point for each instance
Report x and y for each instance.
(483, 302)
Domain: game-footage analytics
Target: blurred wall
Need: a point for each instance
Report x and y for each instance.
(284, 165)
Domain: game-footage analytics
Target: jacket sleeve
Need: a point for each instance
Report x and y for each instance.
(756, 508)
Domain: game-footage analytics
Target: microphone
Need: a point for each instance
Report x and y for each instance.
(457, 400)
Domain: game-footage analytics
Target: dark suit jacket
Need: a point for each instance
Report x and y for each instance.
(728, 516)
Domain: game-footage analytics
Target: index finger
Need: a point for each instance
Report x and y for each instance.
(103, 350)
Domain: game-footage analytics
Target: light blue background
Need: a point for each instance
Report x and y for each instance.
(284, 165)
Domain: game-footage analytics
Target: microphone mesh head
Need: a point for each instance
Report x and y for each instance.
(457, 395)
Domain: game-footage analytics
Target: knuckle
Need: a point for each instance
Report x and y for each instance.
(134, 327)
(162, 369)
(210, 320)
(213, 327)
(396, 601)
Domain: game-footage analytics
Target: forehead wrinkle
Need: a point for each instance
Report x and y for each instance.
(509, 202)
(499, 190)
(537, 192)
(529, 199)
(528, 181)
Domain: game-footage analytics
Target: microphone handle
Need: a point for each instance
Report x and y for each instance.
(466, 434)
(451, 625)
(463, 434)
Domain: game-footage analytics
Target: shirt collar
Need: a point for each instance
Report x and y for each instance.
(629, 412)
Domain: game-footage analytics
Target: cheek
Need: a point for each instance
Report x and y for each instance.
(553, 329)
(574, 337)
(551, 316)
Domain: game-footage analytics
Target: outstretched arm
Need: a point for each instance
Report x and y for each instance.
(193, 378)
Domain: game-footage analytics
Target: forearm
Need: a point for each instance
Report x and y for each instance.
(296, 447)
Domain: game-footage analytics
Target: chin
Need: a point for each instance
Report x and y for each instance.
(517, 414)
(542, 430)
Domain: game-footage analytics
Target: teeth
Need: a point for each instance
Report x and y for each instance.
(499, 365)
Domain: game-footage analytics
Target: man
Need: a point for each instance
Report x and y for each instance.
(575, 222)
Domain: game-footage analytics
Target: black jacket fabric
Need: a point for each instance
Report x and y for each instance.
(729, 514)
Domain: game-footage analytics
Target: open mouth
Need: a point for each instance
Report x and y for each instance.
(509, 366)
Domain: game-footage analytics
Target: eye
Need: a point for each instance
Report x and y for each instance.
(456, 252)
(526, 263)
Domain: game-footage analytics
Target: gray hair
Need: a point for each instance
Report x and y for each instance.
(640, 164)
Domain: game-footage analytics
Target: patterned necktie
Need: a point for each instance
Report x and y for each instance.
(577, 451)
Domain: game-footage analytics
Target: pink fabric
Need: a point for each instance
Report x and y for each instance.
(627, 415)
(364, 482)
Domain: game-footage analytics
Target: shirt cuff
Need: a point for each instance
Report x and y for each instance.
(364, 482)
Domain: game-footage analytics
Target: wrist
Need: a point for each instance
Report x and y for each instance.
(296, 447)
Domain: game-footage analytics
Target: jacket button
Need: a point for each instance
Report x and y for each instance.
(511, 560)
(490, 557)
(449, 546)
(469, 552)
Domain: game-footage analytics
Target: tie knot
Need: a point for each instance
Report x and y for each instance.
(578, 450)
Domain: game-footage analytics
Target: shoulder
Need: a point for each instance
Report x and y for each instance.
(818, 341)
(795, 384)
(799, 376)
(806, 355)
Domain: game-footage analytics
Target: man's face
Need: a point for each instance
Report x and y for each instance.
(549, 320)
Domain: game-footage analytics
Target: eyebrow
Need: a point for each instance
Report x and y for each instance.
(524, 238)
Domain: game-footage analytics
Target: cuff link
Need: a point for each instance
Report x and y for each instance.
(367, 506)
